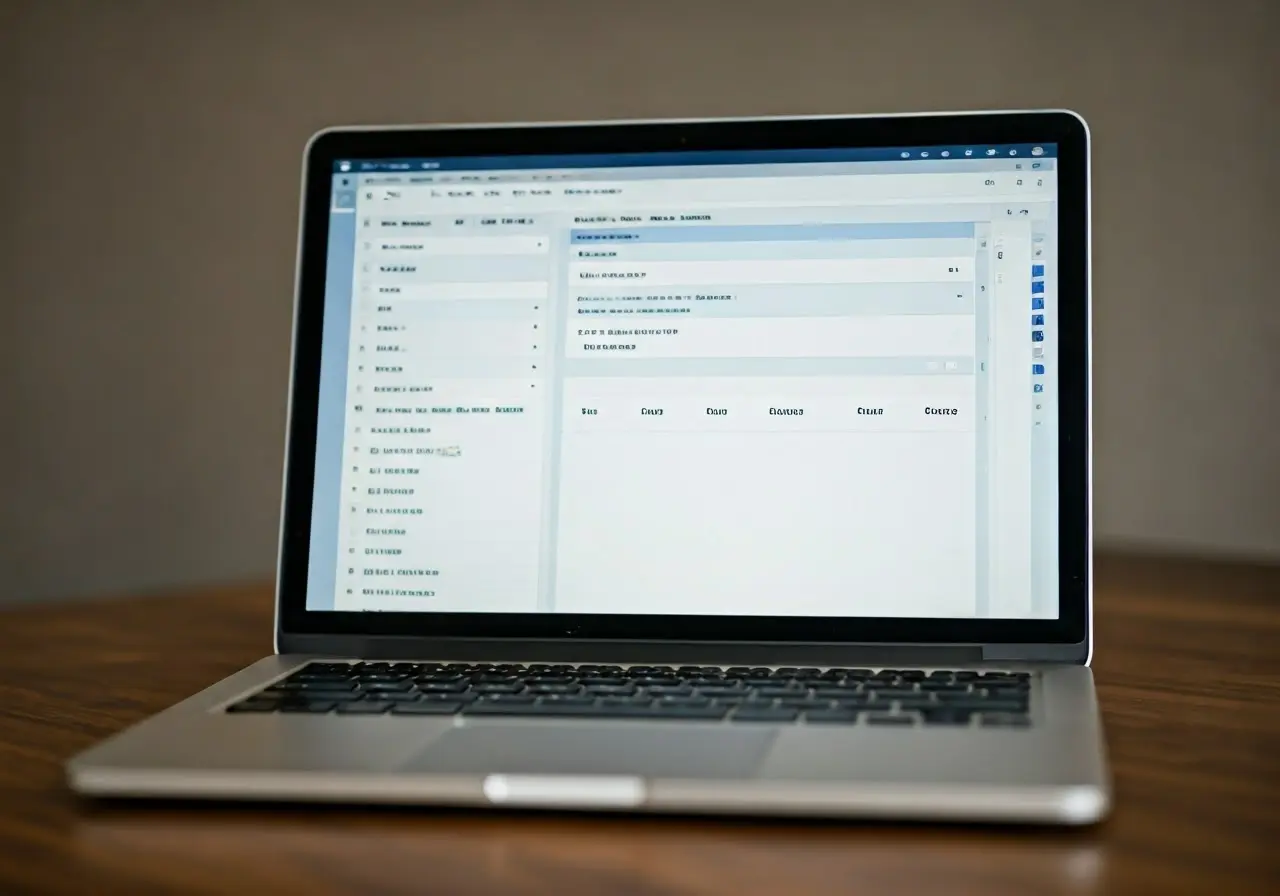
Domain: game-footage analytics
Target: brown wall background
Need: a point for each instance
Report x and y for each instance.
(150, 157)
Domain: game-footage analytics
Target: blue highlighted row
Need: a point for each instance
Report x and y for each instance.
(922, 230)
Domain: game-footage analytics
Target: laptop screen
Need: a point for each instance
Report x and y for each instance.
(748, 383)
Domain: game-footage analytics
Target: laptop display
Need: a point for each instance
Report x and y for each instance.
(742, 383)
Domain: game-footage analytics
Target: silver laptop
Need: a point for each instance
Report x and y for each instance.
(733, 466)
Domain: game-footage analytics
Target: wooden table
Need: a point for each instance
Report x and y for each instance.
(1188, 664)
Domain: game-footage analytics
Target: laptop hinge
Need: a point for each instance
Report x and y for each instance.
(657, 652)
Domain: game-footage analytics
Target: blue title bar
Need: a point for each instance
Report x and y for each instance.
(700, 157)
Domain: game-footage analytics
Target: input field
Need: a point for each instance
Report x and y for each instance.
(954, 269)
(459, 245)
(887, 335)
(492, 289)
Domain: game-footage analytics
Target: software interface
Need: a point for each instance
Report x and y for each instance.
(761, 383)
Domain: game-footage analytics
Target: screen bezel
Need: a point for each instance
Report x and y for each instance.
(325, 149)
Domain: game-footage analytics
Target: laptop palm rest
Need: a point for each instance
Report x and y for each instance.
(655, 750)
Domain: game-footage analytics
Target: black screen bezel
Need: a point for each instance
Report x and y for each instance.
(1062, 128)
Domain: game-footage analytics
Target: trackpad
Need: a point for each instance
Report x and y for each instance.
(656, 751)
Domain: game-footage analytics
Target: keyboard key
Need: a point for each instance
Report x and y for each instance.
(607, 690)
(1014, 706)
(554, 689)
(682, 701)
(861, 701)
(327, 667)
(880, 718)
(671, 690)
(494, 678)
(662, 711)
(318, 707)
(773, 693)
(802, 702)
(376, 686)
(314, 695)
(493, 689)
(719, 689)
(597, 710)
(831, 716)
(300, 686)
(442, 687)
(364, 708)
(915, 701)
(465, 697)
(891, 688)
(254, 704)
(1004, 720)
(399, 697)
(829, 693)
(945, 717)
(426, 708)
(304, 675)
(765, 714)
(565, 700)
(506, 700)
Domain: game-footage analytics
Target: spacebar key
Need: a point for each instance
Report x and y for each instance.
(595, 711)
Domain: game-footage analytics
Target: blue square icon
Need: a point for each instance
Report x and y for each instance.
(1037, 320)
(1037, 369)
(1037, 270)
(1037, 304)
(1038, 387)
(1037, 335)
(1037, 286)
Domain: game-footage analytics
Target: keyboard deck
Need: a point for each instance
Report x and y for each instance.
(737, 694)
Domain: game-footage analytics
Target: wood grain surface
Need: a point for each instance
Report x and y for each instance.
(1188, 665)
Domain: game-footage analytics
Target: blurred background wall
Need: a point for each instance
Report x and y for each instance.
(150, 158)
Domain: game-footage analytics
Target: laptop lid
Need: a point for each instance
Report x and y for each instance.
(803, 380)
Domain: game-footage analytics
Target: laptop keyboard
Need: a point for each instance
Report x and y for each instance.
(737, 694)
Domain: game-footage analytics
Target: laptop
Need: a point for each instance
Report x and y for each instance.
(712, 466)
